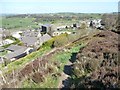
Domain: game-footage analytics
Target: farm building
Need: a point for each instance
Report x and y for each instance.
(46, 28)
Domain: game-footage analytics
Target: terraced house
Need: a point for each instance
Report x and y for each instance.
(15, 52)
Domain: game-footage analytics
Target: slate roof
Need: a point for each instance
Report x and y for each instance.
(14, 48)
(45, 38)
(16, 53)
(29, 40)
(30, 33)
(47, 25)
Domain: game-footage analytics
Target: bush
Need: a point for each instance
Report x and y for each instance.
(60, 40)
(49, 43)
(83, 26)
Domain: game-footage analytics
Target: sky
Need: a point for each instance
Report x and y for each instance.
(56, 6)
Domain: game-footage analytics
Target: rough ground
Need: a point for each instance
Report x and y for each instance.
(63, 83)
(100, 59)
(37, 71)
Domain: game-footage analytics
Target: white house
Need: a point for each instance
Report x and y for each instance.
(60, 32)
(17, 34)
(61, 27)
(7, 41)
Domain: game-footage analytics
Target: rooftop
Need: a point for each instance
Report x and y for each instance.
(29, 40)
(30, 33)
(14, 47)
(16, 53)
(47, 25)
(45, 38)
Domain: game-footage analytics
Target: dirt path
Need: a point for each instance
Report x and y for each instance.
(64, 82)
(64, 76)
(63, 79)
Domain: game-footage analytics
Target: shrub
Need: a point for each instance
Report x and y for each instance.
(83, 26)
(61, 40)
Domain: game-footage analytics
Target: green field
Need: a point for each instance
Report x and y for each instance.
(23, 22)
(18, 23)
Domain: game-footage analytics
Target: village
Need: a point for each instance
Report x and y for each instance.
(29, 41)
(63, 44)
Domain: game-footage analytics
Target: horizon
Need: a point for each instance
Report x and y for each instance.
(53, 13)
(41, 7)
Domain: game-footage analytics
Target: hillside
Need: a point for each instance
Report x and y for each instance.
(90, 61)
(87, 58)
(97, 64)
(111, 22)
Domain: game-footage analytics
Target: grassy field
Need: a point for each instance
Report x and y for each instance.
(32, 22)
(18, 23)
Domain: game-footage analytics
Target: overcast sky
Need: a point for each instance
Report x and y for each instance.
(54, 6)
